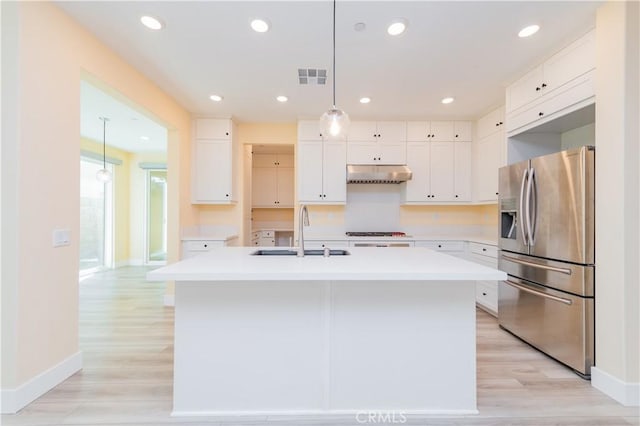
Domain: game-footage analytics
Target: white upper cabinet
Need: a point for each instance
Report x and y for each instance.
(383, 142)
(439, 131)
(462, 131)
(214, 155)
(491, 123)
(571, 62)
(441, 172)
(322, 169)
(213, 128)
(562, 84)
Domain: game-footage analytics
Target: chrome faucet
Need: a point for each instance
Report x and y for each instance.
(303, 220)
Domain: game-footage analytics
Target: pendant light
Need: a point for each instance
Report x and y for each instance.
(335, 122)
(104, 175)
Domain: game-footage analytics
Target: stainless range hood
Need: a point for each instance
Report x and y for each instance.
(358, 173)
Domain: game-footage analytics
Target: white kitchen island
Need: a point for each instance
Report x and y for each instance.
(382, 329)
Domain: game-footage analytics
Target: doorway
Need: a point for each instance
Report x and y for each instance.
(96, 218)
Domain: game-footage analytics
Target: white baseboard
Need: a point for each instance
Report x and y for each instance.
(122, 263)
(169, 300)
(627, 394)
(13, 400)
(136, 262)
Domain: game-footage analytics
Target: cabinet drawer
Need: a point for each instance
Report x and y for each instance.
(487, 295)
(323, 244)
(267, 241)
(202, 245)
(484, 250)
(442, 245)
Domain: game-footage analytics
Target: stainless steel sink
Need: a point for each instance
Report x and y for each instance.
(313, 252)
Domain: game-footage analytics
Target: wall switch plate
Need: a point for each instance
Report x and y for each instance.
(61, 237)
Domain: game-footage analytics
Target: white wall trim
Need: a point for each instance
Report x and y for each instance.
(136, 262)
(169, 300)
(13, 400)
(627, 394)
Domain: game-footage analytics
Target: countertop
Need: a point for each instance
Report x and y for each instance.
(342, 237)
(363, 264)
(209, 237)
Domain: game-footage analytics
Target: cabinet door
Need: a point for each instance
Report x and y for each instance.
(576, 59)
(212, 178)
(462, 171)
(310, 171)
(362, 131)
(264, 160)
(263, 187)
(392, 153)
(491, 123)
(213, 128)
(441, 131)
(417, 131)
(462, 131)
(442, 163)
(392, 131)
(417, 188)
(526, 89)
(309, 130)
(488, 157)
(334, 174)
(285, 160)
(362, 152)
(285, 186)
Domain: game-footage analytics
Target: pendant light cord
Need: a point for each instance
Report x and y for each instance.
(334, 54)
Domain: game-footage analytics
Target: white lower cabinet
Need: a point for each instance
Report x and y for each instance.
(486, 291)
(332, 244)
(194, 248)
(452, 247)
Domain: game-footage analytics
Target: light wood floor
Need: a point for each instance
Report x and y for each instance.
(126, 335)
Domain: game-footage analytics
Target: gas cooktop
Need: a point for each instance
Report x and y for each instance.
(376, 234)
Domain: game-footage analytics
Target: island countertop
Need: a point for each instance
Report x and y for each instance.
(362, 264)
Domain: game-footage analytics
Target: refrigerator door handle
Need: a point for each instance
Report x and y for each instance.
(532, 207)
(527, 206)
(522, 218)
(536, 265)
(539, 293)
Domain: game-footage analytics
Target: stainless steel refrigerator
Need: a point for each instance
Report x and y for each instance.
(547, 249)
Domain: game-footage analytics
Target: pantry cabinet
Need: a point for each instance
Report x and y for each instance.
(272, 181)
(214, 155)
(321, 170)
(488, 155)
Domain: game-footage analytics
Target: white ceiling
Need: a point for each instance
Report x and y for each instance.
(469, 50)
(125, 128)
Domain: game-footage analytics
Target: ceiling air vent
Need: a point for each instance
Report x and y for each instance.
(312, 76)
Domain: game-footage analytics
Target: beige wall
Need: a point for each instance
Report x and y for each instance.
(44, 57)
(617, 197)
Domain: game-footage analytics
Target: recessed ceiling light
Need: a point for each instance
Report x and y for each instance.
(282, 98)
(528, 31)
(365, 100)
(260, 25)
(215, 98)
(151, 22)
(144, 138)
(397, 27)
(447, 100)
